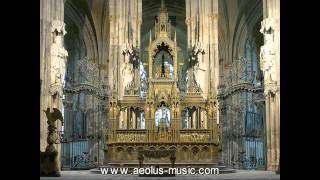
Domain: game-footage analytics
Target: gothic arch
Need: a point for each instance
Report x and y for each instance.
(184, 153)
(76, 13)
(205, 150)
(195, 152)
(235, 23)
(140, 148)
(130, 153)
(120, 153)
(251, 16)
(173, 147)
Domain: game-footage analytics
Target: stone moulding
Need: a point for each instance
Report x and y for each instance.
(87, 89)
(241, 87)
(156, 153)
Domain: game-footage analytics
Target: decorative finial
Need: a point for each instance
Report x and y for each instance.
(162, 5)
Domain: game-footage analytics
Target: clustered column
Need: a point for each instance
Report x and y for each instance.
(125, 22)
(202, 26)
(270, 65)
(52, 62)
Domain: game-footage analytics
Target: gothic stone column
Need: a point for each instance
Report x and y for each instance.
(51, 12)
(201, 20)
(53, 58)
(270, 65)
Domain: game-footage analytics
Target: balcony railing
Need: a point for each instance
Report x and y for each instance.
(195, 135)
(136, 135)
(169, 135)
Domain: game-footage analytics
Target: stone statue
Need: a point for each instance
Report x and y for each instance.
(127, 71)
(267, 53)
(58, 57)
(199, 68)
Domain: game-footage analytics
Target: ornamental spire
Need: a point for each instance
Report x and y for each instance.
(163, 7)
(163, 26)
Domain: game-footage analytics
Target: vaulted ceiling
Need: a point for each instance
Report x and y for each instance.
(87, 26)
(238, 21)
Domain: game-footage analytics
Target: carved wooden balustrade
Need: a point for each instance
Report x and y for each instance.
(170, 135)
(196, 135)
(127, 136)
(161, 136)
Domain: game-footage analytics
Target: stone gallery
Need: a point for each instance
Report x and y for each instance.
(131, 83)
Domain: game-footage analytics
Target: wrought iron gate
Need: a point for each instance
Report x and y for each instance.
(75, 155)
(254, 146)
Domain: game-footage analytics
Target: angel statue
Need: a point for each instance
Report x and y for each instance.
(53, 116)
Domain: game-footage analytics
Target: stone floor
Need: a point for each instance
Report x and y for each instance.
(240, 174)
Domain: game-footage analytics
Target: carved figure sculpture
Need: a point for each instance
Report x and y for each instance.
(58, 57)
(267, 53)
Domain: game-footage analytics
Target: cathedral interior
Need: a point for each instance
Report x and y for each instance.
(199, 77)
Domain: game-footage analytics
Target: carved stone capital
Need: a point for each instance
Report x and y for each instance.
(271, 88)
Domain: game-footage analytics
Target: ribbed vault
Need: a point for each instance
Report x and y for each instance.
(237, 22)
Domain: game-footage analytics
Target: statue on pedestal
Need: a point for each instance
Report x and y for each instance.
(268, 55)
(58, 57)
(199, 67)
(130, 63)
